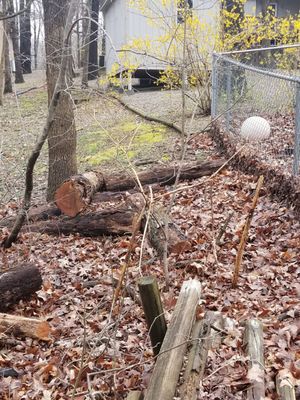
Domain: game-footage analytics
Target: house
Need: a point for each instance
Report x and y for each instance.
(125, 23)
(282, 8)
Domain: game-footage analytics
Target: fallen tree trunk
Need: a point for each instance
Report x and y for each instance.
(163, 382)
(110, 222)
(18, 283)
(31, 327)
(74, 195)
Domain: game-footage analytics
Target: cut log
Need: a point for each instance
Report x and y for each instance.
(163, 382)
(285, 385)
(253, 341)
(74, 195)
(21, 326)
(18, 283)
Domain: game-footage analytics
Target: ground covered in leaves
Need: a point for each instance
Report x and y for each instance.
(100, 350)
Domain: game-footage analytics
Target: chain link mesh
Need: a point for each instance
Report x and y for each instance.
(263, 83)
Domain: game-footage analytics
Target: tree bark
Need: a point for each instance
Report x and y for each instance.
(25, 37)
(86, 27)
(62, 133)
(2, 39)
(18, 283)
(109, 222)
(166, 372)
(93, 68)
(7, 80)
(22, 326)
(74, 195)
(14, 33)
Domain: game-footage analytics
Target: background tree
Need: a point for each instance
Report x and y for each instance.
(62, 132)
(86, 26)
(25, 37)
(93, 40)
(7, 68)
(14, 34)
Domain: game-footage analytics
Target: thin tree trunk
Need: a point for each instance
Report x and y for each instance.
(93, 40)
(2, 39)
(86, 26)
(7, 79)
(62, 133)
(25, 38)
(14, 32)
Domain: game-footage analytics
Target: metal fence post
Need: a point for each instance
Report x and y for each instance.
(228, 96)
(297, 132)
(214, 86)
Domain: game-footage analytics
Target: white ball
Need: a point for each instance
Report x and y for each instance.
(255, 128)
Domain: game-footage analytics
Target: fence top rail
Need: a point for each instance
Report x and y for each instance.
(289, 78)
(284, 46)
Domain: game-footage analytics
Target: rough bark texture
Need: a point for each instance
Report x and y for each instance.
(18, 283)
(93, 40)
(110, 222)
(1, 60)
(86, 26)
(14, 32)
(7, 80)
(62, 132)
(79, 190)
(22, 326)
(25, 37)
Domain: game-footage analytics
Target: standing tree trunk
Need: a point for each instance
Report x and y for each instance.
(62, 133)
(2, 38)
(25, 37)
(7, 68)
(14, 33)
(86, 26)
(93, 40)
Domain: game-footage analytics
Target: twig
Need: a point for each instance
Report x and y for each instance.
(245, 233)
(223, 229)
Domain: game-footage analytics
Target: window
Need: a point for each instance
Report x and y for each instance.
(272, 9)
(181, 7)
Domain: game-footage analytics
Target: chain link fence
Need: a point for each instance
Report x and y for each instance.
(264, 83)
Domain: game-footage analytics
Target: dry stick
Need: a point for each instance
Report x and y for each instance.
(125, 265)
(59, 87)
(245, 233)
(223, 229)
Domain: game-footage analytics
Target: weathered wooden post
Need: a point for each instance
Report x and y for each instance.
(163, 382)
(153, 310)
